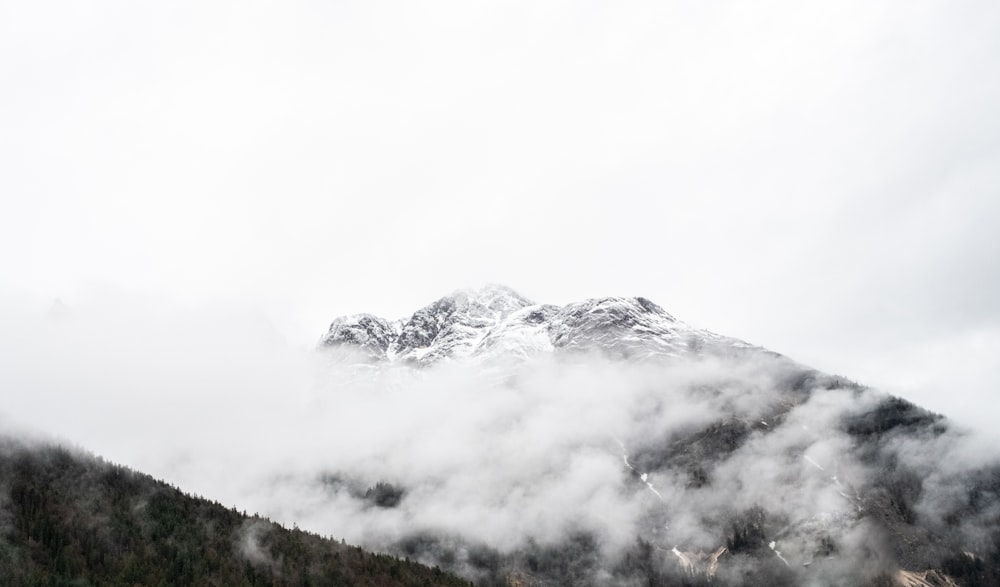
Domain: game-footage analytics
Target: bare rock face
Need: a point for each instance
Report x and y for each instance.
(370, 334)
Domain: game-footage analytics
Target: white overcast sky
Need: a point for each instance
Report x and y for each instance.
(819, 178)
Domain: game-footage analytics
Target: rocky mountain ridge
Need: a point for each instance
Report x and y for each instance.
(495, 321)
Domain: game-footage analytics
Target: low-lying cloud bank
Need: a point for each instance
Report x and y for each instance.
(571, 465)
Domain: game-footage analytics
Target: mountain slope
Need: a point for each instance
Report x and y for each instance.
(736, 465)
(67, 518)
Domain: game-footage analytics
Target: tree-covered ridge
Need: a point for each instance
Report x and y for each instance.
(70, 519)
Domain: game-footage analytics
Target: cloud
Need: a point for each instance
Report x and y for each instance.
(248, 544)
(510, 459)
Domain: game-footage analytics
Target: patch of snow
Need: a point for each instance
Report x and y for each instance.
(773, 545)
(813, 463)
(685, 561)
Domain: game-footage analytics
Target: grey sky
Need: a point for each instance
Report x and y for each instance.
(822, 179)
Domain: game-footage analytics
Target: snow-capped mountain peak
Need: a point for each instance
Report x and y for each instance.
(496, 320)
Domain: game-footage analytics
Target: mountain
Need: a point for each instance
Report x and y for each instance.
(736, 465)
(497, 322)
(68, 518)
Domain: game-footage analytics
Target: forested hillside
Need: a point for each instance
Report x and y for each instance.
(68, 518)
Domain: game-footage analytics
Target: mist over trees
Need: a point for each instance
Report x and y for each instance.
(721, 463)
(67, 518)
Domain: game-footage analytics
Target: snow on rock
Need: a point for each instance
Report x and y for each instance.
(694, 563)
(495, 321)
(370, 334)
(774, 546)
(812, 462)
(923, 579)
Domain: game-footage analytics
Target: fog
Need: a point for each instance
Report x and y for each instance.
(820, 178)
(507, 456)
